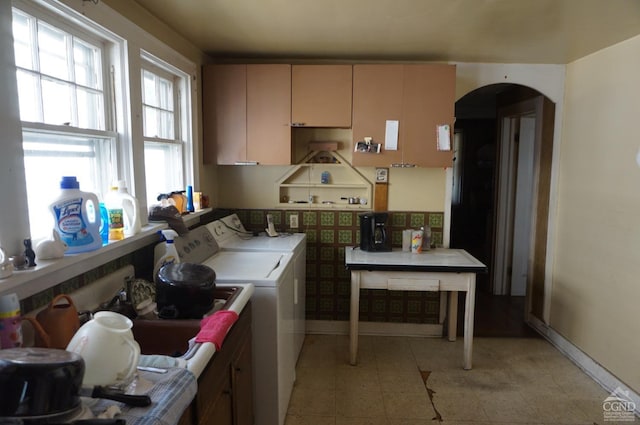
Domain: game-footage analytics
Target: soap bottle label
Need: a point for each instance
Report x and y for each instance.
(116, 224)
(73, 229)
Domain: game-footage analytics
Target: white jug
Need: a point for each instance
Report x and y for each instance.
(108, 348)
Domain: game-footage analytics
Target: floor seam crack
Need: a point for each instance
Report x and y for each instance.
(425, 376)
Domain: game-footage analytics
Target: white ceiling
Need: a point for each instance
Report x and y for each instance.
(503, 31)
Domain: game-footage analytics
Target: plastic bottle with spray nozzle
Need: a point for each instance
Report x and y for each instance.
(166, 252)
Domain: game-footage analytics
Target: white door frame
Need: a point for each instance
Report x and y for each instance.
(515, 196)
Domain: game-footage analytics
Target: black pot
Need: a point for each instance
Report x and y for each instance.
(37, 382)
(185, 290)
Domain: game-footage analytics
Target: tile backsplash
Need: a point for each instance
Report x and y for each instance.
(142, 261)
(329, 233)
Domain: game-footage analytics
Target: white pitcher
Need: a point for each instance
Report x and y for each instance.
(108, 348)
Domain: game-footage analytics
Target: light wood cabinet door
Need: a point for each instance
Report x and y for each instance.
(377, 97)
(224, 114)
(419, 96)
(321, 95)
(269, 114)
(428, 101)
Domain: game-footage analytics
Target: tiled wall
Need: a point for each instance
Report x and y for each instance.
(328, 282)
(141, 260)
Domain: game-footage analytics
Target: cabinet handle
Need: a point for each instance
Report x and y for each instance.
(403, 165)
(297, 124)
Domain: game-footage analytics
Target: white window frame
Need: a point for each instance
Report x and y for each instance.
(126, 79)
(183, 114)
(112, 50)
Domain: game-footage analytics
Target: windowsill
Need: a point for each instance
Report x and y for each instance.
(49, 273)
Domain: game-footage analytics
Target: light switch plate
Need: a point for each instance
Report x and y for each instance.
(293, 221)
(382, 175)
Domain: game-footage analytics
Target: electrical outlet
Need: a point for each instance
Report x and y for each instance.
(293, 221)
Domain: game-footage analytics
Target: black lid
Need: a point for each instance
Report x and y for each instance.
(186, 274)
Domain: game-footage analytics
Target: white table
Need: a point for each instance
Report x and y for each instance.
(449, 270)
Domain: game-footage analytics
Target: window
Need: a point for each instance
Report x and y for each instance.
(81, 117)
(62, 100)
(166, 145)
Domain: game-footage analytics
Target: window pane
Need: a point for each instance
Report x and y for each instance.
(87, 64)
(29, 99)
(163, 169)
(90, 114)
(165, 87)
(151, 122)
(48, 157)
(149, 95)
(23, 40)
(166, 125)
(52, 47)
(57, 103)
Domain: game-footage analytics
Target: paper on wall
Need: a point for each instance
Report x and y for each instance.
(444, 137)
(391, 135)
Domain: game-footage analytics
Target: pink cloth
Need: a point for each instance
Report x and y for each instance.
(214, 328)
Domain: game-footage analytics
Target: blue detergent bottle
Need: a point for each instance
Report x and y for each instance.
(104, 224)
(76, 217)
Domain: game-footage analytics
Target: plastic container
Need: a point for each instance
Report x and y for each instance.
(115, 213)
(124, 212)
(104, 225)
(190, 207)
(426, 239)
(130, 210)
(167, 252)
(76, 217)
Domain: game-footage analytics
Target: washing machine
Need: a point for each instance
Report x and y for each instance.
(271, 273)
(231, 235)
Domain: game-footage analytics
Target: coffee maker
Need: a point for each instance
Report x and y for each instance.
(373, 233)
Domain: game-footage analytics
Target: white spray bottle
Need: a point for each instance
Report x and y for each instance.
(165, 253)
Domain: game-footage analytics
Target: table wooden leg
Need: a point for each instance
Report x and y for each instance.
(453, 315)
(469, 311)
(443, 306)
(354, 316)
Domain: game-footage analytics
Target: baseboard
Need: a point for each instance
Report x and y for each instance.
(336, 327)
(596, 371)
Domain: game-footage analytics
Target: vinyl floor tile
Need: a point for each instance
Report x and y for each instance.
(411, 381)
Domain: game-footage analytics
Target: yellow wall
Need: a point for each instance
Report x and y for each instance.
(596, 289)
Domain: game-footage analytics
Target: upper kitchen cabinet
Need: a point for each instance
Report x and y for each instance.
(224, 112)
(321, 95)
(246, 114)
(419, 96)
(269, 114)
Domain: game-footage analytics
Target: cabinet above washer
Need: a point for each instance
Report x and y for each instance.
(321, 95)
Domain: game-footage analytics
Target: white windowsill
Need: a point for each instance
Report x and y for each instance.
(49, 273)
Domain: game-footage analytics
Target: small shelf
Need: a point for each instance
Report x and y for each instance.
(316, 205)
(303, 181)
(325, 185)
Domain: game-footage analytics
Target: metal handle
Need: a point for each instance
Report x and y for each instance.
(128, 399)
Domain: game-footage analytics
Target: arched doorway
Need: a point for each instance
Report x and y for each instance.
(500, 200)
